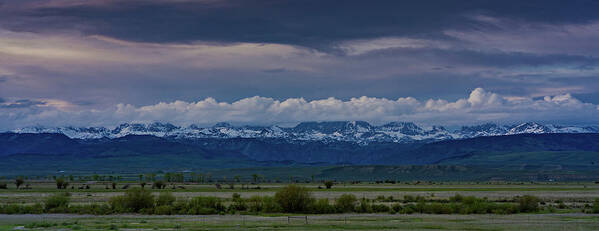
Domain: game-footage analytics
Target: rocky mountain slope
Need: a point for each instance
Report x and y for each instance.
(347, 131)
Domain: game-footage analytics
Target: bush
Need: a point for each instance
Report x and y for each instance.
(293, 198)
(60, 200)
(456, 198)
(396, 208)
(529, 203)
(205, 206)
(346, 203)
(164, 210)
(328, 184)
(255, 204)
(61, 183)
(159, 184)
(596, 206)
(165, 198)
(322, 206)
(269, 205)
(239, 203)
(380, 208)
(3, 186)
(134, 200)
(364, 206)
(19, 181)
(96, 209)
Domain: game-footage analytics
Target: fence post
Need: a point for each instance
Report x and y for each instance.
(306, 220)
(288, 220)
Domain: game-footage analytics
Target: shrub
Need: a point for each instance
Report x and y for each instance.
(269, 205)
(408, 209)
(322, 206)
(238, 203)
(328, 184)
(346, 203)
(205, 205)
(165, 198)
(364, 206)
(3, 186)
(529, 203)
(396, 207)
(164, 210)
(293, 198)
(19, 181)
(561, 205)
(456, 198)
(134, 200)
(380, 208)
(255, 204)
(96, 209)
(61, 183)
(437, 208)
(596, 206)
(60, 200)
(118, 204)
(159, 184)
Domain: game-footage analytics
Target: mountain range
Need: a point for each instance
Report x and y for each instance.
(135, 148)
(359, 132)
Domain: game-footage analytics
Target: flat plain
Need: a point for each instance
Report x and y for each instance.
(575, 196)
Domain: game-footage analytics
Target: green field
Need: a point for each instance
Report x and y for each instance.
(320, 222)
(563, 206)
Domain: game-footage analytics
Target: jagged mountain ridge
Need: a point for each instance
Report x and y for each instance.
(349, 131)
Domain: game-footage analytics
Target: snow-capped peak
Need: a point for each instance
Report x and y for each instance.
(349, 131)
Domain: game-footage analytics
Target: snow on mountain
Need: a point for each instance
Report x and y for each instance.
(350, 131)
(482, 130)
(529, 128)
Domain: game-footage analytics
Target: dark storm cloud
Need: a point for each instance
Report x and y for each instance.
(125, 60)
(312, 23)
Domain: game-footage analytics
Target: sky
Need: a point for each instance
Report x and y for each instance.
(444, 62)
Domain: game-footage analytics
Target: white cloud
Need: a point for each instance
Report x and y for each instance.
(77, 53)
(480, 106)
(363, 46)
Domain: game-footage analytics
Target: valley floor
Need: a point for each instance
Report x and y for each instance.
(529, 222)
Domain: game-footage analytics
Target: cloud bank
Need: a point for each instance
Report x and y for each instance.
(480, 106)
(66, 62)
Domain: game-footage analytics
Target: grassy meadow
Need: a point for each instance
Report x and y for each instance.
(560, 206)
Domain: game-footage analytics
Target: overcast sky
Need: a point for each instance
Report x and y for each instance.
(105, 62)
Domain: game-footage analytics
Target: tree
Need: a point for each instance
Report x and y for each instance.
(141, 177)
(134, 200)
(328, 184)
(255, 177)
(159, 184)
(193, 176)
(19, 181)
(60, 200)
(165, 198)
(293, 198)
(346, 202)
(529, 203)
(237, 178)
(61, 183)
